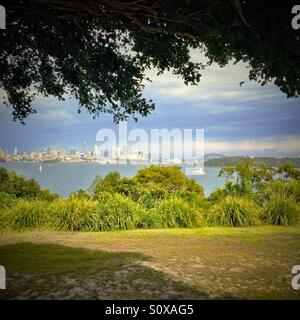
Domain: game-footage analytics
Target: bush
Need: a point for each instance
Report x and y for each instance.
(74, 214)
(150, 197)
(6, 200)
(175, 213)
(25, 215)
(169, 178)
(108, 184)
(234, 211)
(19, 187)
(192, 198)
(281, 209)
(293, 188)
(120, 213)
(102, 196)
(129, 188)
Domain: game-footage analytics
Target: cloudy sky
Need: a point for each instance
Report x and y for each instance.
(251, 119)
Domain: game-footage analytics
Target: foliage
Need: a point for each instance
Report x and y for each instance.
(169, 178)
(149, 197)
(98, 51)
(234, 211)
(292, 187)
(281, 209)
(193, 198)
(175, 213)
(6, 200)
(218, 194)
(19, 187)
(102, 196)
(120, 213)
(288, 171)
(74, 214)
(81, 194)
(108, 184)
(247, 177)
(129, 188)
(25, 215)
(268, 161)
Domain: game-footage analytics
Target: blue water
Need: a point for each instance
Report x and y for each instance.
(64, 178)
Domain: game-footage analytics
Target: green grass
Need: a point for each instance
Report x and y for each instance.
(249, 262)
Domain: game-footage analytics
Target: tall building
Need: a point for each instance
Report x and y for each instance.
(15, 151)
(96, 152)
(84, 147)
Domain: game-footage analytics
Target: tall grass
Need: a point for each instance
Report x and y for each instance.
(25, 215)
(120, 213)
(175, 213)
(234, 211)
(281, 209)
(74, 214)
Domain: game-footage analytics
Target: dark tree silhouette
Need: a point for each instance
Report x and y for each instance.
(98, 51)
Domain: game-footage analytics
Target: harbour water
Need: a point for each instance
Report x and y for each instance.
(64, 178)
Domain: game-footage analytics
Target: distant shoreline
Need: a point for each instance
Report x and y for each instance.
(216, 162)
(270, 161)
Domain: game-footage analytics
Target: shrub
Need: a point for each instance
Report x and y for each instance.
(81, 194)
(150, 197)
(281, 209)
(19, 187)
(175, 213)
(102, 196)
(169, 178)
(74, 214)
(6, 200)
(129, 188)
(25, 215)
(108, 184)
(192, 198)
(120, 213)
(234, 211)
(293, 188)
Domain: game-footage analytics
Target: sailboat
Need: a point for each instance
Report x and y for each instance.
(40, 168)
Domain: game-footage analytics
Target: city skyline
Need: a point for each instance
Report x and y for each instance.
(238, 120)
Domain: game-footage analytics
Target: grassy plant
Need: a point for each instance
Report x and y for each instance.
(120, 213)
(175, 213)
(74, 214)
(25, 215)
(281, 209)
(234, 211)
(293, 188)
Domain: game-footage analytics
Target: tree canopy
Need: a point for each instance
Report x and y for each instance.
(99, 51)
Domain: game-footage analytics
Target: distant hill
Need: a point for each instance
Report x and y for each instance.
(230, 161)
(210, 156)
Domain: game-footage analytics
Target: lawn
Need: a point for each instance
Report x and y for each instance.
(205, 263)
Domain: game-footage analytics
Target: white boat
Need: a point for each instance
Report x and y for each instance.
(40, 168)
(197, 168)
(197, 171)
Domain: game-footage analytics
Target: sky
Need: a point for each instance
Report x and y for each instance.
(248, 120)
